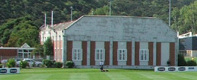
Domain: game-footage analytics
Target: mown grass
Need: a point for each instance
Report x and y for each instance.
(95, 74)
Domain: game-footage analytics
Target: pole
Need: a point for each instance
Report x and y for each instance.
(51, 18)
(110, 8)
(71, 8)
(45, 20)
(169, 12)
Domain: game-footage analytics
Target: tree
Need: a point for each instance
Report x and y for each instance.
(48, 47)
(38, 50)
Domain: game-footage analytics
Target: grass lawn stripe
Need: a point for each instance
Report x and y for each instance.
(153, 76)
(78, 76)
(117, 76)
(98, 76)
(59, 76)
(38, 77)
(170, 76)
(133, 76)
(185, 76)
(95, 74)
(13, 76)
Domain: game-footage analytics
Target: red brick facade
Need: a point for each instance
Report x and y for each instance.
(107, 53)
(137, 49)
(172, 54)
(84, 48)
(69, 49)
(129, 53)
(150, 46)
(92, 52)
(8, 52)
(115, 49)
(158, 50)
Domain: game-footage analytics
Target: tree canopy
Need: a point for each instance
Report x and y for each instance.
(20, 20)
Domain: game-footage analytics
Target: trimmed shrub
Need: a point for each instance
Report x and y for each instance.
(24, 64)
(11, 63)
(181, 60)
(48, 63)
(70, 64)
(191, 63)
(58, 64)
(1, 65)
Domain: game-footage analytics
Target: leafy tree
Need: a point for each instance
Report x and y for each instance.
(38, 50)
(48, 47)
(26, 16)
(185, 20)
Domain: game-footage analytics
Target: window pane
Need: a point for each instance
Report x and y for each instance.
(123, 56)
(120, 56)
(101, 56)
(78, 56)
(97, 56)
(141, 56)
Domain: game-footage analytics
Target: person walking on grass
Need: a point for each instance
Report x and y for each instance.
(101, 65)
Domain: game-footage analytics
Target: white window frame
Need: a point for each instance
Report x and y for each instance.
(122, 55)
(144, 55)
(100, 54)
(77, 54)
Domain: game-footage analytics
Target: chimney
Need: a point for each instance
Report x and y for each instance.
(51, 18)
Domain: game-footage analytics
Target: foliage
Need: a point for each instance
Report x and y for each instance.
(181, 60)
(11, 63)
(191, 63)
(48, 63)
(24, 64)
(18, 31)
(58, 64)
(1, 65)
(70, 64)
(185, 19)
(38, 50)
(21, 19)
(48, 47)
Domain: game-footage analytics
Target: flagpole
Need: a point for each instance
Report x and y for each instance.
(169, 12)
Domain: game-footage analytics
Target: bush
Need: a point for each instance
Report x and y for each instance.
(58, 64)
(70, 64)
(48, 63)
(181, 60)
(191, 63)
(11, 63)
(24, 64)
(1, 65)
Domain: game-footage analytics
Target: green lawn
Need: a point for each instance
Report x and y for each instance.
(95, 74)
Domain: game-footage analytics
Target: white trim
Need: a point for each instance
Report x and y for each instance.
(99, 54)
(78, 55)
(122, 55)
(144, 55)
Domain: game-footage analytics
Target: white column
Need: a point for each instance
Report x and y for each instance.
(154, 52)
(88, 53)
(133, 51)
(111, 51)
(64, 49)
(176, 51)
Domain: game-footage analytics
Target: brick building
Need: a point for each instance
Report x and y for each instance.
(17, 52)
(118, 41)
